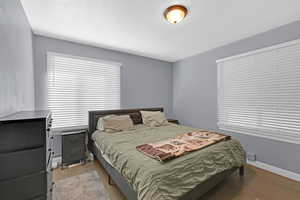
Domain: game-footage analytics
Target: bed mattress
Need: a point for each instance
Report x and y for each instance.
(155, 180)
(105, 157)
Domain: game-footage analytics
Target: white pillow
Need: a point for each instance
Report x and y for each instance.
(154, 118)
(115, 123)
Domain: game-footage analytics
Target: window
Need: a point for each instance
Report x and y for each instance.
(259, 93)
(77, 85)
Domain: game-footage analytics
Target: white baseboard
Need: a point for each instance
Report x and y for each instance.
(276, 170)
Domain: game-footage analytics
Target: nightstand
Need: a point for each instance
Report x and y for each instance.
(174, 121)
(73, 147)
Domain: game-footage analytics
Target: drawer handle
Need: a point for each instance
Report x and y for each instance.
(51, 190)
(52, 137)
(49, 149)
(53, 153)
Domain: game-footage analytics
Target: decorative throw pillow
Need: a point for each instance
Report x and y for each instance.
(154, 118)
(115, 123)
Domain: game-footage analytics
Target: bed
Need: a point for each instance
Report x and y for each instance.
(141, 178)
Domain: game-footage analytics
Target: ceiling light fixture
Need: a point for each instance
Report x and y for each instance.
(176, 13)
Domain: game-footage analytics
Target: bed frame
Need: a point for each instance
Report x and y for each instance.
(120, 181)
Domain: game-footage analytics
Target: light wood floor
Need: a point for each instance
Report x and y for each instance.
(257, 184)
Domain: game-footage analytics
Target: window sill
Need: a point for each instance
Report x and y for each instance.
(60, 131)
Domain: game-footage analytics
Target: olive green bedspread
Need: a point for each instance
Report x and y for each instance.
(153, 180)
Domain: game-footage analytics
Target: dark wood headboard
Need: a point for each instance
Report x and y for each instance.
(134, 114)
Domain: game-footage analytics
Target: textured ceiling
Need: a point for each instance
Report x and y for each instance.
(138, 26)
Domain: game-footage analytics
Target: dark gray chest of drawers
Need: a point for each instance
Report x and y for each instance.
(26, 147)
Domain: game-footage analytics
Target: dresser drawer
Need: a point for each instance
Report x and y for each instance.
(18, 136)
(21, 163)
(24, 188)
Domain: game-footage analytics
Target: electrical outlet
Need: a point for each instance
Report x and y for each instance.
(251, 156)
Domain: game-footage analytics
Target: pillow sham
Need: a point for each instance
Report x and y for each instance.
(154, 118)
(114, 123)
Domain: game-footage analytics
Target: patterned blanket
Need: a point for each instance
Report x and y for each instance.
(180, 145)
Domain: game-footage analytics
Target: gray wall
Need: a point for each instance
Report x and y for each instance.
(16, 59)
(145, 82)
(194, 79)
(195, 95)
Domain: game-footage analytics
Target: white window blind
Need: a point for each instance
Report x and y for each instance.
(77, 85)
(259, 93)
